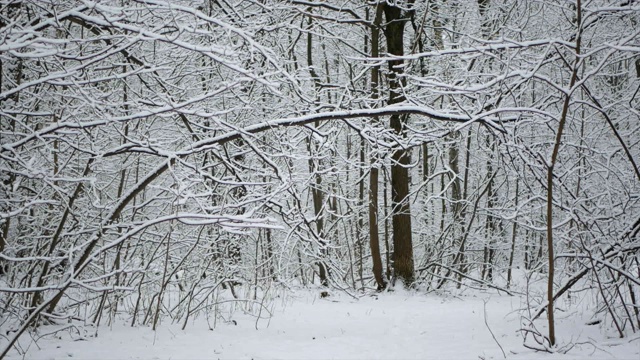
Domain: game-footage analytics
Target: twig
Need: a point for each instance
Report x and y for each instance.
(492, 335)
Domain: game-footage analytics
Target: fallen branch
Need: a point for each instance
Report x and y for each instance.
(449, 269)
(492, 334)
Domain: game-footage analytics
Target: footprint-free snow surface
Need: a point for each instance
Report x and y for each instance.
(395, 325)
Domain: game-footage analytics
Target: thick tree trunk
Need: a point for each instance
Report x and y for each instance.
(374, 231)
(396, 19)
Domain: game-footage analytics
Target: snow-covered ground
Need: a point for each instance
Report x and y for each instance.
(393, 325)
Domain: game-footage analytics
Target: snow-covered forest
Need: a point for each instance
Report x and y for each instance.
(167, 161)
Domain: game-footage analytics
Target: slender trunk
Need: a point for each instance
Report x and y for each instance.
(490, 226)
(37, 299)
(550, 168)
(456, 196)
(316, 192)
(513, 238)
(360, 223)
(443, 201)
(465, 234)
(385, 191)
(527, 259)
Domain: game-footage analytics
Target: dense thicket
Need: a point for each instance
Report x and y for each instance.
(156, 155)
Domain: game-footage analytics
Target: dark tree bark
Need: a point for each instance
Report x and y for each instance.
(374, 237)
(396, 18)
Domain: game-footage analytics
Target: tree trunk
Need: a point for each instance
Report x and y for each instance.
(513, 238)
(396, 19)
(374, 232)
(316, 192)
(550, 167)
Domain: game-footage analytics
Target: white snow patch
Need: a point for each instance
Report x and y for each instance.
(393, 325)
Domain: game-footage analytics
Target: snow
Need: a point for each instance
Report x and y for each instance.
(391, 325)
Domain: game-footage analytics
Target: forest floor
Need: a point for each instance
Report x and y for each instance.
(391, 325)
